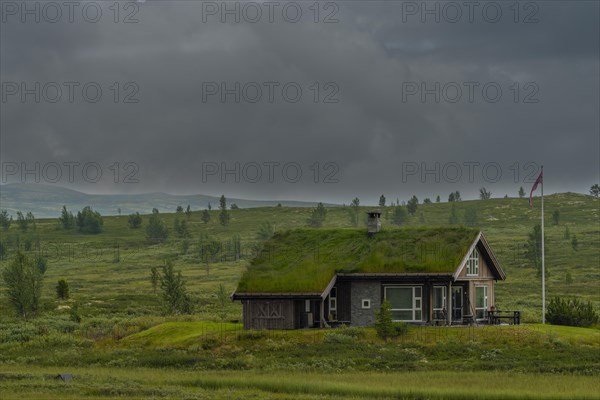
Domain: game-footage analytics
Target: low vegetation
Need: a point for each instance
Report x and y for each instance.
(114, 334)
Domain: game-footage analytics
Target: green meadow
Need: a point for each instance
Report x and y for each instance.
(125, 347)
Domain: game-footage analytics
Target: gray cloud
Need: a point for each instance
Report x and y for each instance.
(369, 133)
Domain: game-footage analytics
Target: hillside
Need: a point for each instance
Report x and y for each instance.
(109, 272)
(46, 201)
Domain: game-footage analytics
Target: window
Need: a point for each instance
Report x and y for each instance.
(366, 303)
(405, 302)
(439, 301)
(333, 299)
(473, 263)
(481, 301)
(306, 305)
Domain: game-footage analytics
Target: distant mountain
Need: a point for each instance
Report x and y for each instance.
(46, 201)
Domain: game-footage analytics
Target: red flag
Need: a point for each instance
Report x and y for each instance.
(539, 180)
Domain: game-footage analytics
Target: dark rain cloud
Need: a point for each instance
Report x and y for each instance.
(369, 134)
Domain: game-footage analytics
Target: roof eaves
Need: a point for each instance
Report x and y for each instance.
(279, 295)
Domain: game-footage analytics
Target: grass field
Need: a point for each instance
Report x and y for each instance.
(125, 347)
(107, 383)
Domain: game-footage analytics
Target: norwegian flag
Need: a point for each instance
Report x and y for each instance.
(539, 180)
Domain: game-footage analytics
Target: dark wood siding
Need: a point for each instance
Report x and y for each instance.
(268, 314)
(343, 300)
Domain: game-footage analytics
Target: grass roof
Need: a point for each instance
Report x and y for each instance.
(305, 260)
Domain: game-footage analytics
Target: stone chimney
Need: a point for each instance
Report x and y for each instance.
(373, 222)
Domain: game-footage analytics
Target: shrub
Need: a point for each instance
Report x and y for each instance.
(571, 312)
(134, 220)
(338, 338)
(400, 328)
(356, 333)
(89, 221)
(251, 335)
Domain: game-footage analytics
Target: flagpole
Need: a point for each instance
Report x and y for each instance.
(543, 267)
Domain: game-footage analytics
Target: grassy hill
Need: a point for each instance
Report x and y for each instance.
(125, 348)
(109, 272)
(46, 201)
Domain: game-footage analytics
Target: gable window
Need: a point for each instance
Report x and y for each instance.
(366, 303)
(473, 263)
(405, 302)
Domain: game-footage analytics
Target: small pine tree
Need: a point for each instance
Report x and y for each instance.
(400, 215)
(5, 220)
(353, 211)
(317, 216)
(437, 199)
(412, 205)
(74, 313)
(66, 219)
(156, 231)
(568, 278)
(23, 285)
(30, 219)
(188, 212)
(484, 194)
(224, 214)
(521, 192)
(22, 222)
(205, 216)
(62, 290)
(174, 293)
(556, 217)
(382, 201)
(42, 264)
(384, 324)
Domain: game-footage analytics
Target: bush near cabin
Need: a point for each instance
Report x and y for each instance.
(571, 312)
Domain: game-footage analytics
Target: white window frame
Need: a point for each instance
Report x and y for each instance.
(444, 299)
(485, 301)
(473, 263)
(417, 305)
(367, 302)
(307, 306)
(333, 299)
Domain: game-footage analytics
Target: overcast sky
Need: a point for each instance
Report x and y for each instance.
(379, 100)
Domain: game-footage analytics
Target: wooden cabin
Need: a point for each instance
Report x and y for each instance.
(325, 277)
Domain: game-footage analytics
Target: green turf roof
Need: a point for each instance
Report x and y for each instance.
(305, 260)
